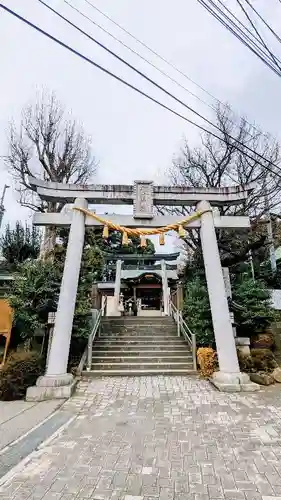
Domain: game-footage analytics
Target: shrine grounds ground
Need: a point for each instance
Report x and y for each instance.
(146, 438)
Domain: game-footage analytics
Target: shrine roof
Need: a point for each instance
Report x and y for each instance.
(133, 274)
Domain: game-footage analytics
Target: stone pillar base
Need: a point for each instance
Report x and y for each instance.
(233, 382)
(52, 387)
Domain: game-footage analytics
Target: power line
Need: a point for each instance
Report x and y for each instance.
(162, 58)
(258, 33)
(143, 75)
(161, 71)
(121, 80)
(263, 20)
(236, 27)
(252, 45)
(258, 38)
(250, 37)
(152, 51)
(237, 19)
(138, 55)
(244, 26)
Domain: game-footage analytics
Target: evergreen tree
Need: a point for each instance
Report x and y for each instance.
(20, 244)
(256, 313)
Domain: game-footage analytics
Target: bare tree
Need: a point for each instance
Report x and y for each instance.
(218, 163)
(48, 145)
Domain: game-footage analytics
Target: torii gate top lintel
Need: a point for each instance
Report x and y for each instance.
(141, 194)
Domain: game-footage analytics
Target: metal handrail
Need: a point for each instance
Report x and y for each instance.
(183, 329)
(87, 354)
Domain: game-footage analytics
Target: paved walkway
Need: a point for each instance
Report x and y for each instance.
(19, 417)
(158, 438)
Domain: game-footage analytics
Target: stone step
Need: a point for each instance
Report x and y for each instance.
(139, 323)
(142, 359)
(142, 353)
(135, 346)
(137, 319)
(140, 347)
(138, 372)
(140, 339)
(143, 331)
(138, 333)
(137, 336)
(141, 365)
(134, 324)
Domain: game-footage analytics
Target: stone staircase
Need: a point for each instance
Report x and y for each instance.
(140, 346)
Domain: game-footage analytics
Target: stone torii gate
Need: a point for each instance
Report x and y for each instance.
(144, 196)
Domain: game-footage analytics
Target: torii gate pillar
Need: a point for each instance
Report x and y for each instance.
(57, 383)
(228, 378)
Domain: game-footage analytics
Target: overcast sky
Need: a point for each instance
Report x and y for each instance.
(132, 137)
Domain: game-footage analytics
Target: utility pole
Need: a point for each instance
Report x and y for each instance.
(2, 208)
(269, 232)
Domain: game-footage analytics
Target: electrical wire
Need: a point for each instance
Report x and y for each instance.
(250, 36)
(255, 43)
(264, 21)
(159, 70)
(258, 38)
(127, 84)
(138, 55)
(143, 75)
(237, 19)
(166, 61)
(157, 53)
(258, 33)
(252, 46)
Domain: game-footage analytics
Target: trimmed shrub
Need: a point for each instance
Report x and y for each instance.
(207, 361)
(263, 360)
(20, 371)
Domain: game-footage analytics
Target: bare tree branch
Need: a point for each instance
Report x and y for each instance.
(51, 146)
(217, 163)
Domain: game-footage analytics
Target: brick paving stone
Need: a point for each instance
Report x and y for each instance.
(158, 438)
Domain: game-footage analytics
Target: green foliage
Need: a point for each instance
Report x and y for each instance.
(35, 289)
(20, 244)
(34, 293)
(20, 372)
(91, 270)
(257, 314)
(197, 312)
(265, 273)
(114, 245)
